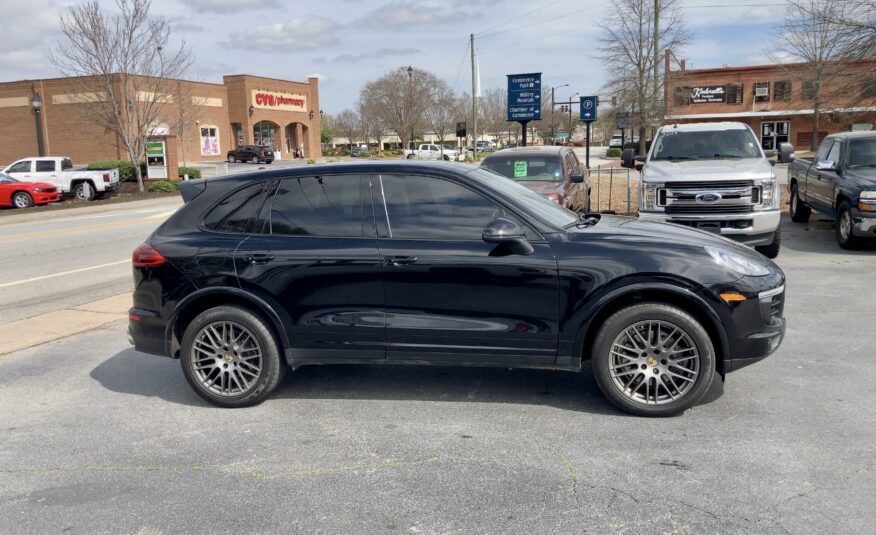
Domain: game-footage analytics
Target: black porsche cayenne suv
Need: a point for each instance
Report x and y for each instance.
(442, 263)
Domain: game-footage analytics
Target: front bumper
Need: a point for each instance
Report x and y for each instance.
(759, 328)
(45, 198)
(864, 223)
(753, 228)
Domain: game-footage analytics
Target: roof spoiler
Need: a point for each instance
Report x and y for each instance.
(189, 189)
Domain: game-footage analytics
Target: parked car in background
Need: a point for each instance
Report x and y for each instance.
(839, 182)
(358, 150)
(429, 151)
(553, 172)
(714, 177)
(60, 172)
(19, 194)
(415, 262)
(252, 154)
(616, 141)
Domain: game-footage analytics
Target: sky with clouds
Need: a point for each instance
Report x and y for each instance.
(349, 42)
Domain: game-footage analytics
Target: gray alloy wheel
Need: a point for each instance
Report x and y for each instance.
(845, 233)
(22, 200)
(231, 158)
(84, 193)
(230, 357)
(255, 159)
(653, 359)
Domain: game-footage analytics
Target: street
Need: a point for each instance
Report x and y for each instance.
(97, 438)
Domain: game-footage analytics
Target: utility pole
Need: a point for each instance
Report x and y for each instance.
(474, 103)
(656, 55)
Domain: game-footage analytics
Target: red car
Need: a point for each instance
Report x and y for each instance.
(24, 194)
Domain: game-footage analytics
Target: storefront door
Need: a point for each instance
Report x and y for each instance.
(774, 132)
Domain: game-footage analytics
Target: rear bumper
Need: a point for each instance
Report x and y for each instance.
(754, 228)
(146, 332)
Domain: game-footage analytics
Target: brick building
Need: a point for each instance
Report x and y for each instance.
(775, 100)
(243, 109)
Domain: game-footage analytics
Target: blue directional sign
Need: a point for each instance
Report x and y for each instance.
(588, 109)
(524, 97)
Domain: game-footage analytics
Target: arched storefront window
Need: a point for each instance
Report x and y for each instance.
(209, 141)
(265, 133)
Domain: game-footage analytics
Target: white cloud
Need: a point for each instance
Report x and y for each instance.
(229, 6)
(407, 14)
(323, 78)
(292, 36)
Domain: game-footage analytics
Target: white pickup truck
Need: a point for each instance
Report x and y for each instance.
(428, 151)
(714, 177)
(60, 172)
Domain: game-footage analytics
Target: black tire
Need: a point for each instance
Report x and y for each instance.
(446, 158)
(799, 212)
(845, 237)
(255, 160)
(22, 199)
(232, 159)
(617, 326)
(268, 162)
(410, 156)
(80, 193)
(273, 368)
(771, 250)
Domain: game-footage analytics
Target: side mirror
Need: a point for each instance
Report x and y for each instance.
(628, 158)
(504, 231)
(576, 178)
(825, 165)
(786, 153)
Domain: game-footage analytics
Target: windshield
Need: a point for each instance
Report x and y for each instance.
(862, 153)
(716, 144)
(6, 179)
(548, 211)
(527, 168)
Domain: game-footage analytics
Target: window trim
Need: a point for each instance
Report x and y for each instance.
(248, 232)
(538, 236)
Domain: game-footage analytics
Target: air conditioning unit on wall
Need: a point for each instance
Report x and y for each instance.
(763, 91)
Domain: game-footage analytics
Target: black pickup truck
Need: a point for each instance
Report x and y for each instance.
(840, 182)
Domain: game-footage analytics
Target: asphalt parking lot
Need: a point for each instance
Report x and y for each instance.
(97, 438)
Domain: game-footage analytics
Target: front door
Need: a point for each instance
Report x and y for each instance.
(314, 252)
(821, 181)
(449, 295)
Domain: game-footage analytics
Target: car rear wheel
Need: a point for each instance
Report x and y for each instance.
(230, 357)
(771, 250)
(84, 191)
(653, 359)
(255, 159)
(22, 200)
(845, 232)
(799, 212)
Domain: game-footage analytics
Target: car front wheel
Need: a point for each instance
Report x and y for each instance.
(771, 250)
(653, 359)
(230, 357)
(845, 232)
(231, 158)
(22, 200)
(255, 159)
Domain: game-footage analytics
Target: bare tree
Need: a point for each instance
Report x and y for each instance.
(401, 100)
(186, 117)
(349, 125)
(440, 115)
(124, 67)
(813, 34)
(628, 52)
(494, 111)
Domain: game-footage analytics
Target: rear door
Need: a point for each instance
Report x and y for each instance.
(314, 253)
(450, 296)
(45, 171)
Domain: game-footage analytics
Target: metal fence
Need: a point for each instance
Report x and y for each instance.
(615, 190)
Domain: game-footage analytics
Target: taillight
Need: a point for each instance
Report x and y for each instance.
(146, 256)
(106, 177)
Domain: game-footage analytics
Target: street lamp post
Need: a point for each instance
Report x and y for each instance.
(552, 108)
(570, 114)
(411, 102)
(37, 102)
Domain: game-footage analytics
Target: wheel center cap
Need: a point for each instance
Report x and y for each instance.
(652, 361)
(229, 357)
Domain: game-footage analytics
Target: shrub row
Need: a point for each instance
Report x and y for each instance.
(163, 186)
(613, 152)
(128, 174)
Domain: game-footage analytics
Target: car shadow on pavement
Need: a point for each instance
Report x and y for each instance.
(818, 236)
(131, 372)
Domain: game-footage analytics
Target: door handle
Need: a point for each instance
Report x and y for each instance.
(400, 260)
(259, 259)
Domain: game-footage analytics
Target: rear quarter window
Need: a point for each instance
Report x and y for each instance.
(235, 213)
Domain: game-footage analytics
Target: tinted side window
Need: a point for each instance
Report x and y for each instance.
(834, 154)
(823, 149)
(66, 163)
(45, 166)
(20, 167)
(319, 206)
(235, 212)
(421, 207)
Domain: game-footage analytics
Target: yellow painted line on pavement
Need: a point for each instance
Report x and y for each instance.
(74, 230)
(45, 328)
(63, 273)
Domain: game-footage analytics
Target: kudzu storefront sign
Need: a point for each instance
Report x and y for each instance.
(708, 94)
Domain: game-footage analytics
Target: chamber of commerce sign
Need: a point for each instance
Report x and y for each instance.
(269, 100)
(708, 94)
(524, 97)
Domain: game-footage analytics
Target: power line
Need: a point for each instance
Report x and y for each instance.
(528, 41)
(536, 10)
(564, 15)
(461, 64)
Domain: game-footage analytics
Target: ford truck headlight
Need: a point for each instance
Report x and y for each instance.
(648, 196)
(769, 194)
(867, 201)
(738, 263)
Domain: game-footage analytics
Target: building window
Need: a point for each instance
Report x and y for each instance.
(734, 93)
(782, 90)
(808, 89)
(868, 88)
(209, 141)
(761, 91)
(681, 96)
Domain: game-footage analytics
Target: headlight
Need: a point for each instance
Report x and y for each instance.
(37, 190)
(769, 194)
(867, 201)
(648, 196)
(555, 197)
(738, 263)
